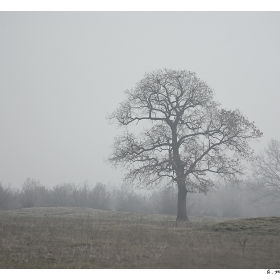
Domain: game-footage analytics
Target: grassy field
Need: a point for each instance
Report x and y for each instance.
(87, 238)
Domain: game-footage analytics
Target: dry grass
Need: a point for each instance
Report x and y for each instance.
(86, 238)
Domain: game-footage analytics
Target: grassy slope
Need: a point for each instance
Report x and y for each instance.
(253, 226)
(87, 238)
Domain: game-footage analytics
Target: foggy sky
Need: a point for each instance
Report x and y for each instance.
(62, 72)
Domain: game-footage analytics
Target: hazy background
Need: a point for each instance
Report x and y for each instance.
(62, 72)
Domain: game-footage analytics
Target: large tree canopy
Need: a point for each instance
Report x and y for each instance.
(187, 134)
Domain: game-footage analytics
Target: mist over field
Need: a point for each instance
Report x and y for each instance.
(62, 72)
(184, 105)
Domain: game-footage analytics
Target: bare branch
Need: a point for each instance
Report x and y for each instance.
(188, 137)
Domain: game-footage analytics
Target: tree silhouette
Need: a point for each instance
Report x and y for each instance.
(186, 136)
(266, 174)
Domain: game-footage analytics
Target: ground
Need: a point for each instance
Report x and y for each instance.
(87, 238)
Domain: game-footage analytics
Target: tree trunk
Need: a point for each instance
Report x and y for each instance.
(181, 206)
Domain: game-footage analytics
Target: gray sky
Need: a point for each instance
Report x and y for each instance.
(61, 72)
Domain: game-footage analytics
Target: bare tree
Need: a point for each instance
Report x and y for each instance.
(187, 135)
(100, 197)
(266, 173)
(29, 193)
(7, 197)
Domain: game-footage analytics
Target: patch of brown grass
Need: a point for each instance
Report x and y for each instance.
(86, 238)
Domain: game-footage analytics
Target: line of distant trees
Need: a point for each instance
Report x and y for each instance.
(259, 195)
(226, 200)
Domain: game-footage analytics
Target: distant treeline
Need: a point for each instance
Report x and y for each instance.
(226, 200)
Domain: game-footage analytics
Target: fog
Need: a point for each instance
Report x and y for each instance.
(62, 72)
